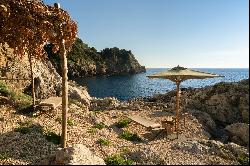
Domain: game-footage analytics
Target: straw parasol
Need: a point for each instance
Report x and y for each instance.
(179, 74)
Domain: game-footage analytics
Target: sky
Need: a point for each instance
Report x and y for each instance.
(167, 33)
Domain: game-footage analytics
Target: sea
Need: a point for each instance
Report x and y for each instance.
(126, 87)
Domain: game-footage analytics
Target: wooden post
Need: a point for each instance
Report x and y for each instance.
(64, 86)
(32, 81)
(64, 95)
(177, 106)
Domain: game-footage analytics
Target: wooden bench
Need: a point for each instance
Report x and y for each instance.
(146, 122)
(50, 103)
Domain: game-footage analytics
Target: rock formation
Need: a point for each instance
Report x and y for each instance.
(75, 155)
(47, 80)
(84, 61)
(239, 133)
(219, 108)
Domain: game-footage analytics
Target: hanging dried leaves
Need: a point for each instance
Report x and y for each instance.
(27, 25)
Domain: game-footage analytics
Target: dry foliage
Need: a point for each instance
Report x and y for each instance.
(27, 25)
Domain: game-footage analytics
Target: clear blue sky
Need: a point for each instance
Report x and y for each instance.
(165, 33)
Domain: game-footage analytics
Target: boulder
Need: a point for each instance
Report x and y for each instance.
(106, 103)
(205, 119)
(205, 147)
(244, 108)
(191, 147)
(79, 94)
(226, 103)
(237, 150)
(75, 155)
(239, 130)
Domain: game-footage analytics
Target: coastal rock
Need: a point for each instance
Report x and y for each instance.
(148, 156)
(104, 103)
(191, 146)
(220, 105)
(75, 155)
(226, 103)
(85, 61)
(204, 147)
(80, 95)
(239, 133)
(237, 150)
(244, 108)
(205, 119)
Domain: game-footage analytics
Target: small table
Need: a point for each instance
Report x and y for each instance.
(169, 124)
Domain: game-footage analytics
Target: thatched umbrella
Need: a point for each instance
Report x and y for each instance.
(179, 74)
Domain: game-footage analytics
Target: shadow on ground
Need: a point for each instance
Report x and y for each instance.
(25, 144)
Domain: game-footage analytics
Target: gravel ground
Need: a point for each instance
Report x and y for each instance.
(22, 149)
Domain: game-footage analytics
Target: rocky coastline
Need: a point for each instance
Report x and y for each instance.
(194, 147)
(216, 129)
(85, 61)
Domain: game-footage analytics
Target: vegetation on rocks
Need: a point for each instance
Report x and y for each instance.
(4, 156)
(117, 159)
(87, 61)
(71, 122)
(102, 141)
(99, 126)
(21, 101)
(123, 123)
(243, 160)
(130, 136)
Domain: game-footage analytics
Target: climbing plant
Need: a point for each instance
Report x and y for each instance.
(27, 25)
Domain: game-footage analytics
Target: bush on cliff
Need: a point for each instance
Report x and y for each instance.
(20, 100)
(87, 61)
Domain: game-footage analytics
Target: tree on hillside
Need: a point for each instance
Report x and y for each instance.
(27, 25)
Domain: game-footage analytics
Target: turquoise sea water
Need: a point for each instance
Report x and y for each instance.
(138, 85)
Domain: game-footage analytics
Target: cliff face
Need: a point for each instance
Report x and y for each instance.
(84, 61)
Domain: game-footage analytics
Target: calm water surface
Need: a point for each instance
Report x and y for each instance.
(138, 85)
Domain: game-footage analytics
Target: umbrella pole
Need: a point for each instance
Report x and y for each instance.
(177, 107)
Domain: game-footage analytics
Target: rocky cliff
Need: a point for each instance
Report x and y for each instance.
(84, 61)
(47, 80)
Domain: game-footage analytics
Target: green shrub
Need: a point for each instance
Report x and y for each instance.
(125, 151)
(4, 90)
(92, 130)
(117, 159)
(73, 101)
(25, 127)
(103, 141)
(21, 100)
(76, 102)
(71, 122)
(99, 126)
(4, 156)
(23, 130)
(53, 137)
(130, 136)
(123, 123)
(243, 160)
